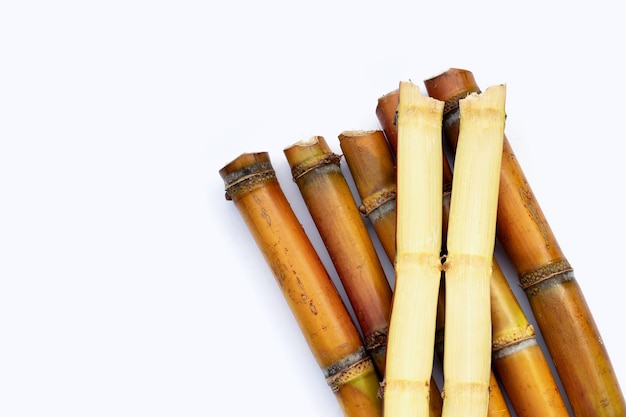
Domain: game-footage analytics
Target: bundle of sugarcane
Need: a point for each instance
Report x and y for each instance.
(520, 363)
(368, 170)
(562, 314)
(546, 276)
(332, 336)
(373, 170)
(317, 172)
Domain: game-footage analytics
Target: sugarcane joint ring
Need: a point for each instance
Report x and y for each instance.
(376, 200)
(356, 370)
(509, 350)
(559, 270)
(248, 182)
(298, 171)
(513, 337)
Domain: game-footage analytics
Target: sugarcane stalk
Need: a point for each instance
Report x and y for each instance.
(497, 402)
(373, 170)
(470, 243)
(417, 264)
(497, 406)
(317, 172)
(386, 112)
(326, 324)
(556, 300)
(518, 359)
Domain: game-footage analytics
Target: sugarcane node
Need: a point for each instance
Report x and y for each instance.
(250, 175)
(444, 263)
(383, 210)
(515, 336)
(300, 170)
(464, 387)
(461, 260)
(407, 384)
(560, 269)
(371, 203)
(519, 346)
(377, 339)
(412, 258)
(349, 373)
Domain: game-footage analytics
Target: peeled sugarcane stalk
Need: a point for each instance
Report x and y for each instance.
(558, 304)
(418, 264)
(470, 244)
(497, 402)
(373, 170)
(328, 197)
(497, 406)
(332, 336)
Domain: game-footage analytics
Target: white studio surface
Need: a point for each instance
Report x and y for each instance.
(129, 286)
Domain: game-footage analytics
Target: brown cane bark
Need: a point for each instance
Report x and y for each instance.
(316, 170)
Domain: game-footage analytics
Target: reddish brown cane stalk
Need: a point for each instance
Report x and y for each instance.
(316, 170)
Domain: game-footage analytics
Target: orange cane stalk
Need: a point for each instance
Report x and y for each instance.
(334, 340)
(386, 112)
(417, 264)
(328, 197)
(563, 316)
(373, 170)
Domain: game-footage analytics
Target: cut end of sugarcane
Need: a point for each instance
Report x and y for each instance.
(307, 142)
(492, 98)
(355, 133)
(416, 101)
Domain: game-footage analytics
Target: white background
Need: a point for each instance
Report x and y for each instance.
(130, 287)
